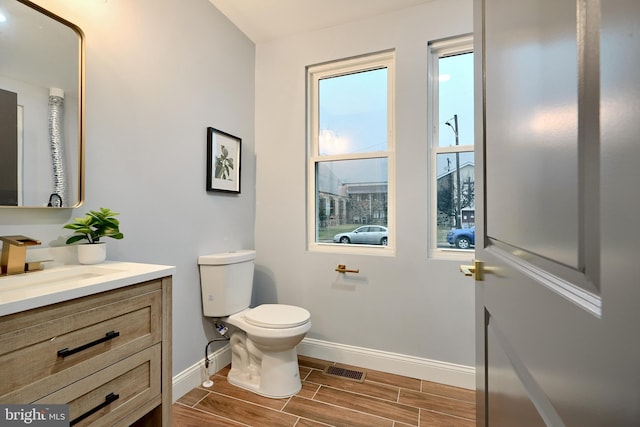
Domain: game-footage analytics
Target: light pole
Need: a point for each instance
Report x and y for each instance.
(454, 127)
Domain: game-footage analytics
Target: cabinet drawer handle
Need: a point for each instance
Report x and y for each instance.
(108, 399)
(108, 336)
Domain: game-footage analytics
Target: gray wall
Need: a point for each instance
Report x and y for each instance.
(157, 74)
(406, 304)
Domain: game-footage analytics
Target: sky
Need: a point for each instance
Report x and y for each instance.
(456, 97)
(353, 111)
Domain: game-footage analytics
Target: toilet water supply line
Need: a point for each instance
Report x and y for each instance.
(222, 329)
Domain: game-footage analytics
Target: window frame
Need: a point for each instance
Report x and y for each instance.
(436, 50)
(315, 73)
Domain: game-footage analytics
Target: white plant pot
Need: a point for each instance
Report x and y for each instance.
(92, 253)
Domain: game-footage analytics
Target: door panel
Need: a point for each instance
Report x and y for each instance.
(9, 148)
(513, 400)
(533, 128)
(557, 312)
(549, 342)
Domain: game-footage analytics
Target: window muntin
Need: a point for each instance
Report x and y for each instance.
(350, 116)
(452, 144)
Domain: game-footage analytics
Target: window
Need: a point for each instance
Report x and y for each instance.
(351, 157)
(452, 145)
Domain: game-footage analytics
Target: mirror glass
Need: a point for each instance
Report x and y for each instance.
(41, 108)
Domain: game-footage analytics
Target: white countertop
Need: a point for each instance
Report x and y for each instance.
(39, 288)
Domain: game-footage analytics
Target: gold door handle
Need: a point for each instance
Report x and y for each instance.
(476, 270)
(341, 268)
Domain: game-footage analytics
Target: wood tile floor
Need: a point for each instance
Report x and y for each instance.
(381, 400)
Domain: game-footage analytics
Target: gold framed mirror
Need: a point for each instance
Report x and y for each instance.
(41, 108)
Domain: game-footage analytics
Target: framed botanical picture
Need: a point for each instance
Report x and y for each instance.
(223, 161)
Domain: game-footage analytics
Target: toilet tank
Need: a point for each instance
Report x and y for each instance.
(226, 280)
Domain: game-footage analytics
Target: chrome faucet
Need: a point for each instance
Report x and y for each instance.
(14, 253)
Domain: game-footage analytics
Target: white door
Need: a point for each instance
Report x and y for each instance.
(558, 225)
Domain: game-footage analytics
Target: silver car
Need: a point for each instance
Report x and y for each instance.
(367, 234)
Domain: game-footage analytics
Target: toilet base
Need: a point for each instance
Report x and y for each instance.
(279, 375)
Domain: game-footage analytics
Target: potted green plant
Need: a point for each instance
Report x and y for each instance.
(93, 226)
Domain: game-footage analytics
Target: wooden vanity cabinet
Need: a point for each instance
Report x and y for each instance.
(107, 355)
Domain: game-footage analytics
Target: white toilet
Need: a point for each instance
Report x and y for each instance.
(263, 339)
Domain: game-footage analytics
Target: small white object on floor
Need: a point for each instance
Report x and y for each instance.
(207, 383)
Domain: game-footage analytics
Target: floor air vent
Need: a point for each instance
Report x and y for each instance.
(348, 374)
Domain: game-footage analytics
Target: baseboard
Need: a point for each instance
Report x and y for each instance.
(394, 363)
(196, 374)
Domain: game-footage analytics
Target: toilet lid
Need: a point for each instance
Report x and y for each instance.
(277, 316)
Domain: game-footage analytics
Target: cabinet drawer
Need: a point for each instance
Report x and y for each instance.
(111, 393)
(65, 342)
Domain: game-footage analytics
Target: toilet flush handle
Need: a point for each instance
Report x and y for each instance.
(341, 268)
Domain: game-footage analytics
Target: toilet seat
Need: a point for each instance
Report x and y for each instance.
(277, 316)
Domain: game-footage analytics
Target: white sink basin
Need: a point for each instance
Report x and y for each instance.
(57, 276)
(39, 288)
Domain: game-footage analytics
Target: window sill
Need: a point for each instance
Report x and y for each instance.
(451, 254)
(336, 248)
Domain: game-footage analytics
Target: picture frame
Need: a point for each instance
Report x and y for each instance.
(223, 161)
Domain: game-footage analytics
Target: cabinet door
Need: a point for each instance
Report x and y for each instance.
(65, 342)
(114, 392)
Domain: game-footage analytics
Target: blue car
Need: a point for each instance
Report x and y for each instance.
(462, 238)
